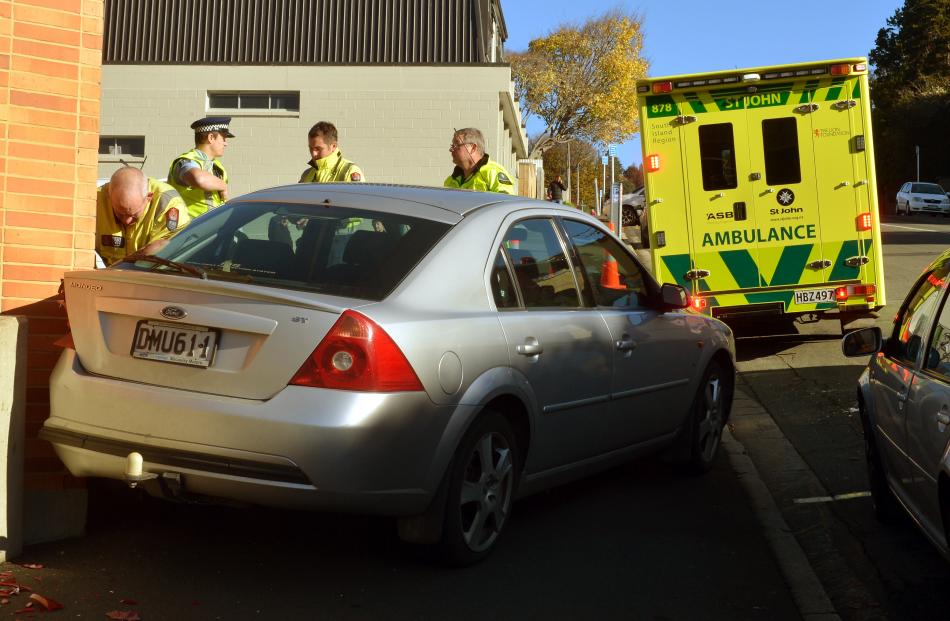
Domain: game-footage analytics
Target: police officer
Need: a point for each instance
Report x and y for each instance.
(198, 175)
(136, 215)
(327, 163)
(474, 170)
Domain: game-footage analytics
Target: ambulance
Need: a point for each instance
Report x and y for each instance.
(760, 190)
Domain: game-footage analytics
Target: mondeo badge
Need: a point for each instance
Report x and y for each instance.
(173, 312)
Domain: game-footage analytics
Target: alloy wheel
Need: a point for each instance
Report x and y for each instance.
(486, 494)
(711, 418)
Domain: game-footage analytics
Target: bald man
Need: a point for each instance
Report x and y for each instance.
(136, 214)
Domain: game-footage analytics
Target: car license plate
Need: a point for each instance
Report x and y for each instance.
(812, 296)
(166, 342)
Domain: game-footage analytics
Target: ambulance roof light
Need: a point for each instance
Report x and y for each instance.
(662, 87)
(751, 77)
(841, 69)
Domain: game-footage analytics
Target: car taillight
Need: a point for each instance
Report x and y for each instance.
(865, 291)
(357, 354)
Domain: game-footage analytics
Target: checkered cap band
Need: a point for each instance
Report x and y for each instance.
(214, 127)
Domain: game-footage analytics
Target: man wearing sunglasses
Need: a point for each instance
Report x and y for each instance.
(474, 170)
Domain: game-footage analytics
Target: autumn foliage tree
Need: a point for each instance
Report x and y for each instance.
(581, 80)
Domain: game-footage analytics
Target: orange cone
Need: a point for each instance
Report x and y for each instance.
(610, 275)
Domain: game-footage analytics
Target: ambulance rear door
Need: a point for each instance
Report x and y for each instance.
(785, 198)
(844, 174)
(721, 214)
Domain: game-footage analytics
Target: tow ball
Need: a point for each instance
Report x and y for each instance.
(170, 482)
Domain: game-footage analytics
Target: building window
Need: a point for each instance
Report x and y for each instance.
(133, 146)
(286, 102)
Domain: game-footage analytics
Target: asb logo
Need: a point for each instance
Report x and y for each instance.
(174, 312)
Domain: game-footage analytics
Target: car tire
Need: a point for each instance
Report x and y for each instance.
(708, 415)
(478, 503)
(886, 507)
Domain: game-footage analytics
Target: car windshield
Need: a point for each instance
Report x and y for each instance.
(926, 188)
(332, 250)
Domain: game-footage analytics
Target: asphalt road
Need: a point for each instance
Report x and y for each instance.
(638, 542)
(808, 387)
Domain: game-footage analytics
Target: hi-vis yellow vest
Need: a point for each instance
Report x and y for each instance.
(488, 176)
(332, 168)
(197, 200)
(164, 216)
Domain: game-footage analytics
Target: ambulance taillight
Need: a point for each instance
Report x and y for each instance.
(698, 303)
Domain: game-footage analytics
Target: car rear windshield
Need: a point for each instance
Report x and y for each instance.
(926, 188)
(330, 250)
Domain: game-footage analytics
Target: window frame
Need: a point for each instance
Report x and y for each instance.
(926, 333)
(117, 157)
(238, 111)
(651, 286)
(566, 249)
(924, 369)
(770, 173)
(703, 158)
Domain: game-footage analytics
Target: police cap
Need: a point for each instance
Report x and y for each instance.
(213, 124)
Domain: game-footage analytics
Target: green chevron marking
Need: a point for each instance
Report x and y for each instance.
(791, 265)
(742, 267)
(841, 271)
(678, 265)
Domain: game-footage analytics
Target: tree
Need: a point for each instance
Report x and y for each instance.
(910, 90)
(583, 156)
(581, 80)
(634, 174)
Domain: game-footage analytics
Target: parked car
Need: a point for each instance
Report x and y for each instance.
(904, 404)
(915, 197)
(422, 353)
(631, 208)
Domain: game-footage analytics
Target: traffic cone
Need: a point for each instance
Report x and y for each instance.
(609, 274)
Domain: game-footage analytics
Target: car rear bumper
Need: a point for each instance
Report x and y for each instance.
(303, 448)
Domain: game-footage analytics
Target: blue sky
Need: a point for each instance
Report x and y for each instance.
(689, 36)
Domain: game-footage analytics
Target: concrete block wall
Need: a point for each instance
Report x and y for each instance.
(50, 72)
(396, 122)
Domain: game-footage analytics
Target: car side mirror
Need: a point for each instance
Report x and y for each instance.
(863, 342)
(674, 296)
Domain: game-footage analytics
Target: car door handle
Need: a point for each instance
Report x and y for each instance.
(530, 347)
(625, 343)
(943, 419)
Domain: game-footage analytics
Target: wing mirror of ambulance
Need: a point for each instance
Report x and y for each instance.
(674, 296)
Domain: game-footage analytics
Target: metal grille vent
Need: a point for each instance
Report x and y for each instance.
(298, 32)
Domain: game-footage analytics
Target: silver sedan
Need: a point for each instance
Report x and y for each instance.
(421, 353)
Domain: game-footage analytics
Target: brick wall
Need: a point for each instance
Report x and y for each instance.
(50, 71)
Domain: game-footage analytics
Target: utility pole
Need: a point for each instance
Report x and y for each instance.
(917, 151)
(568, 175)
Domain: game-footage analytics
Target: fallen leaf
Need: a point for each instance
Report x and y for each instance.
(124, 615)
(28, 608)
(4, 601)
(128, 602)
(46, 602)
(31, 565)
(15, 585)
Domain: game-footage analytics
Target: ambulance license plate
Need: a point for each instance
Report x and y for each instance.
(179, 344)
(812, 296)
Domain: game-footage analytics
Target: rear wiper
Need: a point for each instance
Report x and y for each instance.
(181, 267)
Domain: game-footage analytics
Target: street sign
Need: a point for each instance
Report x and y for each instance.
(612, 150)
(615, 193)
(603, 160)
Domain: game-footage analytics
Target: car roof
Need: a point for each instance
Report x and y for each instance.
(459, 202)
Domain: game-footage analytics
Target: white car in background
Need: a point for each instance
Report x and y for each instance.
(916, 197)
